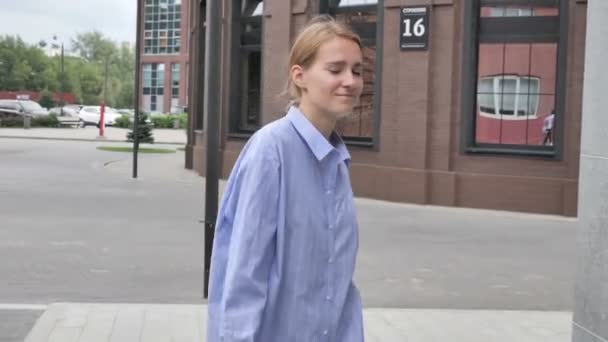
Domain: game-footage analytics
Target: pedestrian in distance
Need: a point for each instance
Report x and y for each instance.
(286, 236)
(548, 128)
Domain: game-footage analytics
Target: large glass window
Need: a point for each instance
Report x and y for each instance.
(162, 23)
(175, 81)
(361, 16)
(247, 66)
(516, 76)
(153, 87)
(175, 103)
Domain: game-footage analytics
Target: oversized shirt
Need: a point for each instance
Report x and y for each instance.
(286, 241)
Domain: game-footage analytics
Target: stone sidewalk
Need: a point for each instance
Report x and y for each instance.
(81, 322)
(89, 133)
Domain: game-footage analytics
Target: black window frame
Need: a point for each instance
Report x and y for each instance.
(330, 7)
(542, 27)
(196, 105)
(242, 46)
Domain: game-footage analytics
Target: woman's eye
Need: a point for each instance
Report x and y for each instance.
(357, 72)
(334, 71)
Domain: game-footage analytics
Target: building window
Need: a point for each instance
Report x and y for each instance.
(175, 81)
(162, 23)
(514, 80)
(175, 103)
(246, 78)
(362, 17)
(153, 87)
(508, 97)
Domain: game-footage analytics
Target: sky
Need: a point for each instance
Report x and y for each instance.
(35, 20)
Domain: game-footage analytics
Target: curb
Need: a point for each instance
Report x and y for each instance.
(84, 139)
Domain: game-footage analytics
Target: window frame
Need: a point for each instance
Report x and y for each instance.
(471, 39)
(325, 7)
(237, 118)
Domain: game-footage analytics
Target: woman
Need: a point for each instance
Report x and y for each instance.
(286, 238)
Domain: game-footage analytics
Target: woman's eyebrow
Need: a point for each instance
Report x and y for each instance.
(342, 63)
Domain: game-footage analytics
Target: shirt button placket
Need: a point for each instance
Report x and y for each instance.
(330, 226)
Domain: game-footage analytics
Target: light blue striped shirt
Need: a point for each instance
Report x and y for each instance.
(286, 241)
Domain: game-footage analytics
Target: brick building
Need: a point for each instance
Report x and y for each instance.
(164, 59)
(460, 122)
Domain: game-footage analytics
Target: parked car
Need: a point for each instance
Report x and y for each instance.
(91, 115)
(68, 110)
(15, 108)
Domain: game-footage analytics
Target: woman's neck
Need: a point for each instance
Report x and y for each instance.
(322, 121)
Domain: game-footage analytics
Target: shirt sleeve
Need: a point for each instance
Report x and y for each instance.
(253, 210)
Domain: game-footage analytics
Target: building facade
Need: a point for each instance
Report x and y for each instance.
(164, 56)
(474, 103)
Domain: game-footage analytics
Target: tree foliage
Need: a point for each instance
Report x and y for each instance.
(26, 67)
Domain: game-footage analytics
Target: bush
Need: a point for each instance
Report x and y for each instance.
(123, 122)
(45, 121)
(166, 121)
(183, 120)
(162, 121)
(11, 122)
(39, 121)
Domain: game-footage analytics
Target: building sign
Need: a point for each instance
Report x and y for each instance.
(414, 33)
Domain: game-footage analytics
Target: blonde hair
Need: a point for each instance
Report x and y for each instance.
(319, 30)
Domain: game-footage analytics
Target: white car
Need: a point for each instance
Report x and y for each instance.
(91, 115)
(68, 110)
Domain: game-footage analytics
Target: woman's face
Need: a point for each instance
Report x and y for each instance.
(334, 82)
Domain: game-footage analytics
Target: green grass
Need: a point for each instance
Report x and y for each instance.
(130, 149)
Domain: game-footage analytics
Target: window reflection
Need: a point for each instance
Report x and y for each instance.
(359, 125)
(515, 92)
(518, 11)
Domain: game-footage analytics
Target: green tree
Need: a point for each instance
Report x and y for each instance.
(46, 100)
(27, 67)
(144, 131)
(93, 46)
(91, 83)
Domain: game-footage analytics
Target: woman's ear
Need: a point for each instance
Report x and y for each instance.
(297, 76)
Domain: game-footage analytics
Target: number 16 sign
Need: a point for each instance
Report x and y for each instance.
(414, 33)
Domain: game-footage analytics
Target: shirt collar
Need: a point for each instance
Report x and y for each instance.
(317, 143)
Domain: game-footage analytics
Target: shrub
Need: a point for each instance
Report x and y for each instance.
(45, 121)
(162, 121)
(183, 120)
(166, 121)
(11, 122)
(38, 121)
(123, 122)
(144, 131)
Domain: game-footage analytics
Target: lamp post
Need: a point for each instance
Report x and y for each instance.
(138, 31)
(62, 80)
(212, 110)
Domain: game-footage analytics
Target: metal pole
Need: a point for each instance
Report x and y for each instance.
(137, 74)
(105, 81)
(211, 111)
(62, 82)
(102, 121)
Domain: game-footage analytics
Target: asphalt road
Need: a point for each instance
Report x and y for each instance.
(75, 227)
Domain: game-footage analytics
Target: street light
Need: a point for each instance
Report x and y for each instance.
(62, 85)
